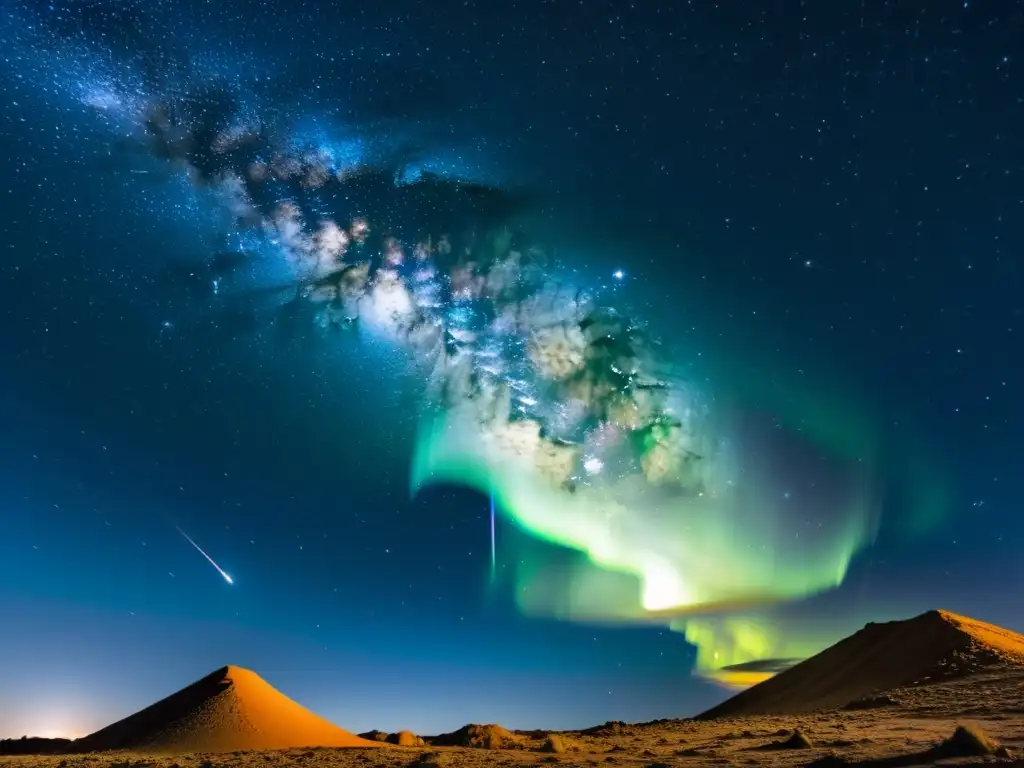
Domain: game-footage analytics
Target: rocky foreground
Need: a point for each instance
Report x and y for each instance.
(973, 720)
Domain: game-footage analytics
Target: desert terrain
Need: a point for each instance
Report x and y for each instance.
(960, 701)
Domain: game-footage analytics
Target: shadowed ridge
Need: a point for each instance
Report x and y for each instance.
(230, 709)
(35, 745)
(935, 646)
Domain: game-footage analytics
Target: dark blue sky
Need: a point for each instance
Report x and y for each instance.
(829, 190)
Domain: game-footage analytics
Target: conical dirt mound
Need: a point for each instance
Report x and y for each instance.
(231, 709)
(929, 648)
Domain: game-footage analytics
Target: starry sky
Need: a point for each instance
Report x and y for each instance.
(818, 207)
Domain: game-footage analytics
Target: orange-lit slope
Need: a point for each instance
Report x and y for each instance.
(934, 646)
(230, 709)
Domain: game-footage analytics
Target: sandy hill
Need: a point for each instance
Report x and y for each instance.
(230, 709)
(929, 648)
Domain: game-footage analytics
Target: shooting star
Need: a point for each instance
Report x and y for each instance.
(199, 549)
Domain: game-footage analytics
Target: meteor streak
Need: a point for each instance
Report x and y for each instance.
(199, 549)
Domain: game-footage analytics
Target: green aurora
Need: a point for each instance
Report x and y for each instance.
(714, 567)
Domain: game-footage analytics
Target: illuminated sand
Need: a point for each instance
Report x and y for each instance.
(934, 646)
(953, 672)
(228, 710)
(924, 717)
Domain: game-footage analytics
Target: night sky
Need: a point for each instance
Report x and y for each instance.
(816, 210)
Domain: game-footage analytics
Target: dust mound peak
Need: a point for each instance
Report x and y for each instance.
(228, 710)
(931, 648)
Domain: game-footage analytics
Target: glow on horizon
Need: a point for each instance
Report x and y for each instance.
(55, 733)
(54, 722)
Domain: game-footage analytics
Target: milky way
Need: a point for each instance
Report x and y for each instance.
(541, 388)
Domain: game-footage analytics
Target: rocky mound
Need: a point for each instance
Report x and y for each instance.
(228, 710)
(485, 736)
(929, 648)
(405, 739)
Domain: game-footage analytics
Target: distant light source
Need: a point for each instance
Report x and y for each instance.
(593, 465)
(618, 274)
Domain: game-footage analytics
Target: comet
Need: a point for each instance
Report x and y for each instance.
(199, 549)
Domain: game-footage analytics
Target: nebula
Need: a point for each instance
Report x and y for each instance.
(687, 503)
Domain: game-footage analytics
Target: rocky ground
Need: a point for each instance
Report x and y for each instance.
(909, 726)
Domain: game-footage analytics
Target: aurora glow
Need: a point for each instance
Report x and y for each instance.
(665, 555)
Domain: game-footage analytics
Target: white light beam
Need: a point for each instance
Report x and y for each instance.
(199, 549)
